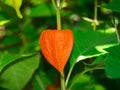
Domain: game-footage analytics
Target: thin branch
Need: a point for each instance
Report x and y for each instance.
(115, 26)
(69, 74)
(40, 82)
(54, 5)
(85, 71)
(95, 14)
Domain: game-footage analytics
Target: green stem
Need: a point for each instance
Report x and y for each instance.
(115, 26)
(57, 7)
(62, 82)
(39, 82)
(54, 5)
(88, 70)
(69, 74)
(58, 19)
(95, 14)
(83, 72)
(58, 15)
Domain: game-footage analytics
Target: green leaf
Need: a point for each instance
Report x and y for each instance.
(100, 59)
(90, 43)
(114, 5)
(8, 58)
(113, 62)
(42, 9)
(16, 4)
(80, 80)
(84, 82)
(98, 63)
(16, 75)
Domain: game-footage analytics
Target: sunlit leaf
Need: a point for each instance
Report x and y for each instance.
(4, 22)
(16, 4)
(86, 42)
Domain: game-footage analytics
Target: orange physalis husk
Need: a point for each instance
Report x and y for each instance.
(56, 46)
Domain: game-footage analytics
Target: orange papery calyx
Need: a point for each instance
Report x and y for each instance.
(56, 46)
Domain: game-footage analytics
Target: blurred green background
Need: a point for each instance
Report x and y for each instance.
(23, 67)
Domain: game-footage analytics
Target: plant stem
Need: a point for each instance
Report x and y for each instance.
(62, 82)
(115, 26)
(83, 72)
(54, 5)
(39, 82)
(69, 74)
(57, 7)
(58, 15)
(95, 14)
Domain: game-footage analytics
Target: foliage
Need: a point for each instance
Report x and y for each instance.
(16, 4)
(96, 45)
